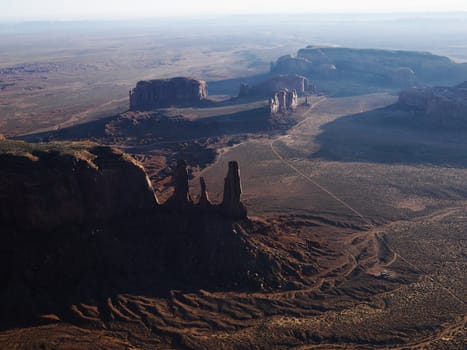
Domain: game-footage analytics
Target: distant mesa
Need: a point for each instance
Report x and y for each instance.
(283, 101)
(300, 84)
(160, 93)
(438, 104)
(371, 66)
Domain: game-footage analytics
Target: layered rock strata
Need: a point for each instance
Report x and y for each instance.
(159, 93)
(371, 66)
(283, 101)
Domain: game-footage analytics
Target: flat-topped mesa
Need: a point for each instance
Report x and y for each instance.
(159, 93)
(283, 101)
(231, 204)
(180, 198)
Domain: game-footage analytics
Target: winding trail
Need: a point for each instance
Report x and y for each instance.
(372, 229)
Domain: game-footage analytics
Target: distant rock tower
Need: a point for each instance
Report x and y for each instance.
(231, 204)
(283, 101)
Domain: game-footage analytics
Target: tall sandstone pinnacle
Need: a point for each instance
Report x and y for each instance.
(283, 101)
(180, 197)
(231, 204)
(204, 201)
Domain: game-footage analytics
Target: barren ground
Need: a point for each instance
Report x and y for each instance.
(371, 216)
(378, 248)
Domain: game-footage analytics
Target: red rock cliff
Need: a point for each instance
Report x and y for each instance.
(150, 94)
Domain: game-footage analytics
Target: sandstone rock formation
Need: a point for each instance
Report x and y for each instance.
(371, 66)
(70, 184)
(438, 104)
(78, 220)
(291, 82)
(204, 201)
(180, 198)
(292, 65)
(283, 101)
(151, 94)
(231, 204)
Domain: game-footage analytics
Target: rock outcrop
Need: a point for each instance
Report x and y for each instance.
(295, 82)
(231, 204)
(69, 184)
(283, 101)
(78, 220)
(292, 65)
(204, 201)
(84, 271)
(181, 197)
(371, 66)
(158, 93)
(438, 104)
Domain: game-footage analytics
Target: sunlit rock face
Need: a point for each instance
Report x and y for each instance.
(283, 101)
(158, 93)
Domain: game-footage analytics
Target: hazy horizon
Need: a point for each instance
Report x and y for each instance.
(66, 10)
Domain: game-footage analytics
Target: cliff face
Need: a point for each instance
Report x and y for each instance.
(48, 186)
(438, 103)
(371, 66)
(295, 82)
(78, 219)
(159, 93)
(283, 101)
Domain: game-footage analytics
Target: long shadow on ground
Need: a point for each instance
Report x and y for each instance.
(394, 135)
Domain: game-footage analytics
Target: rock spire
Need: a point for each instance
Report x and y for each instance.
(231, 204)
(180, 198)
(204, 201)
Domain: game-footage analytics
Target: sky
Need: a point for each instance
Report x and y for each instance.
(107, 9)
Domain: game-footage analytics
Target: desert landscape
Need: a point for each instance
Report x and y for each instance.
(165, 188)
